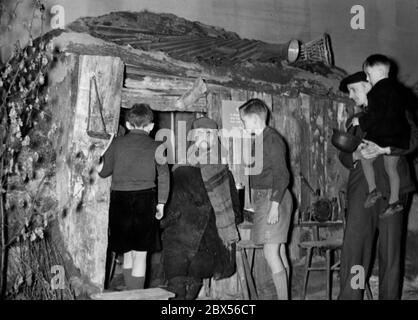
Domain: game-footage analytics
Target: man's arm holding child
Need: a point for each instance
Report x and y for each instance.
(374, 150)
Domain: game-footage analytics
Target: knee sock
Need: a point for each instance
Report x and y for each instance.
(280, 282)
(177, 285)
(136, 283)
(131, 282)
(127, 275)
(193, 286)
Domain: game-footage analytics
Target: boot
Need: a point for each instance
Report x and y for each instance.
(136, 283)
(192, 288)
(177, 285)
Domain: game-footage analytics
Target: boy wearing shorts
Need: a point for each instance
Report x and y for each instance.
(271, 199)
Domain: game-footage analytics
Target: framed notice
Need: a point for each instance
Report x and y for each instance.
(230, 114)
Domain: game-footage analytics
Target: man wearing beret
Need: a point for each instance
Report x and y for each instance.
(363, 225)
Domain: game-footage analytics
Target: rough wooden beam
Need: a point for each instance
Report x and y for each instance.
(158, 101)
(81, 193)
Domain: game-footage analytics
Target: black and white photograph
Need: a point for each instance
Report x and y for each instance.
(209, 154)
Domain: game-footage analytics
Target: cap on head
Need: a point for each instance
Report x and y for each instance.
(353, 78)
(204, 123)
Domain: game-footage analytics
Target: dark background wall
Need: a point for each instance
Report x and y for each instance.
(391, 26)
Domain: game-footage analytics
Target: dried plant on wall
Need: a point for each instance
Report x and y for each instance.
(27, 166)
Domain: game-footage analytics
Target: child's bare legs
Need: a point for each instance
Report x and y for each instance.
(278, 269)
(391, 164)
(134, 268)
(373, 194)
(367, 165)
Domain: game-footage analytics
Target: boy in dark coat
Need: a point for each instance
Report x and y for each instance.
(199, 237)
(133, 212)
(385, 124)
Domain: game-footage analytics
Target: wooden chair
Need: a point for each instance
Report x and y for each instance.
(245, 263)
(330, 246)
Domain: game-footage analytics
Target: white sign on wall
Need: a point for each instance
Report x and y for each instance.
(230, 114)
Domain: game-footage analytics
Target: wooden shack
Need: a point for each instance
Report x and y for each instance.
(127, 64)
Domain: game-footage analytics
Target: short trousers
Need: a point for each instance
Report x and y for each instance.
(262, 232)
(132, 222)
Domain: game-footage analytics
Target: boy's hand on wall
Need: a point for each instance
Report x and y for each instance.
(160, 211)
(355, 122)
(273, 216)
(100, 164)
(112, 136)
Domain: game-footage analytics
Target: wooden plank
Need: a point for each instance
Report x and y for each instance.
(238, 169)
(176, 86)
(214, 107)
(159, 102)
(85, 226)
(318, 155)
(241, 276)
(305, 162)
(140, 294)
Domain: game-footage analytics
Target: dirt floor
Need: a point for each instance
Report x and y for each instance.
(316, 285)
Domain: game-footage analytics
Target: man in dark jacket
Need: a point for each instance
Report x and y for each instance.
(200, 234)
(363, 224)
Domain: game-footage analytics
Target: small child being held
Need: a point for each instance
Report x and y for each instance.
(133, 211)
(386, 124)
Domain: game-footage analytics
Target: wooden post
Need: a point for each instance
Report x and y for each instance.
(81, 193)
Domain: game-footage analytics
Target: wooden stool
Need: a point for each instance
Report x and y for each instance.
(244, 268)
(329, 246)
(111, 261)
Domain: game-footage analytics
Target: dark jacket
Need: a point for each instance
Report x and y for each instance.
(130, 160)
(275, 174)
(191, 244)
(385, 121)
